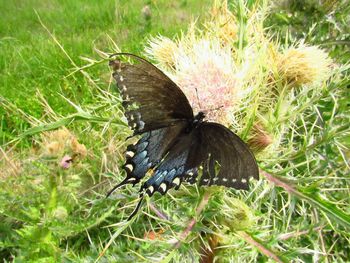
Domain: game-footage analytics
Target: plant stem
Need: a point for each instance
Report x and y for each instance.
(249, 239)
(312, 198)
(158, 212)
(193, 222)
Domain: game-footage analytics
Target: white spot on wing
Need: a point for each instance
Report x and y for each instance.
(141, 125)
(121, 78)
(224, 179)
(244, 180)
(130, 154)
(151, 189)
(233, 180)
(129, 167)
(163, 187)
(176, 181)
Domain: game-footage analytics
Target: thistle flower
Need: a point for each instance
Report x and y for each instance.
(60, 213)
(227, 29)
(206, 73)
(238, 215)
(204, 67)
(54, 147)
(163, 50)
(54, 142)
(66, 162)
(62, 143)
(304, 65)
(260, 138)
(77, 148)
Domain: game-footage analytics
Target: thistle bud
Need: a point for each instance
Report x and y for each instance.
(304, 65)
(260, 138)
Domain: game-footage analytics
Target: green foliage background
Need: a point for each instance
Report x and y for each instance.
(48, 214)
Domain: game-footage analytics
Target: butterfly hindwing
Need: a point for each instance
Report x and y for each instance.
(175, 167)
(148, 151)
(225, 159)
(228, 160)
(151, 99)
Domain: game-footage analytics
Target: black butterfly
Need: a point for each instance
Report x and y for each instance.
(174, 143)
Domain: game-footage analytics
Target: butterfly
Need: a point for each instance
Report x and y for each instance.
(175, 144)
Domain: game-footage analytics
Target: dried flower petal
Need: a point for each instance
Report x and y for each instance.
(153, 235)
(77, 148)
(146, 12)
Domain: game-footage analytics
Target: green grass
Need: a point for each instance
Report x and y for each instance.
(31, 61)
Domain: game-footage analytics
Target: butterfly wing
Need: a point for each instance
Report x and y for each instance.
(171, 171)
(210, 145)
(227, 159)
(148, 151)
(151, 99)
(174, 167)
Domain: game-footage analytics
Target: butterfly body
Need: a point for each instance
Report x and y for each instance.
(197, 120)
(175, 144)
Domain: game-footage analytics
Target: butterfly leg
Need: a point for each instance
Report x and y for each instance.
(124, 182)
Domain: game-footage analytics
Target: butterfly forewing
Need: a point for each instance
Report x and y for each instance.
(151, 99)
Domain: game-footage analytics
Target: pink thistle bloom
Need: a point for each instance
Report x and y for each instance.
(66, 162)
(206, 74)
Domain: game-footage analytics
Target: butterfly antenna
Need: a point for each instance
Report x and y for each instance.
(136, 208)
(215, 109)
(124, 182)
(199, 104)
